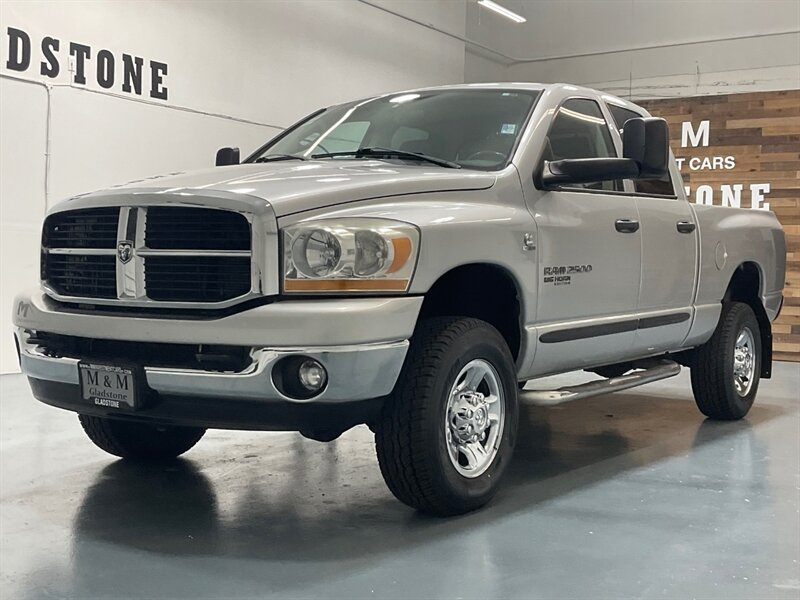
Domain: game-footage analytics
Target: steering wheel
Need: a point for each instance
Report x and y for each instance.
(495, 155)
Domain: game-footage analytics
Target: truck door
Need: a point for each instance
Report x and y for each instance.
(589, 251)
(669, 257)
(669, 270)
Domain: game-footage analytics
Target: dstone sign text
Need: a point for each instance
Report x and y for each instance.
(121, 72)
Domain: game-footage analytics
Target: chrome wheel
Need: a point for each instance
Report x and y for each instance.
(474, 418)
(744, 362)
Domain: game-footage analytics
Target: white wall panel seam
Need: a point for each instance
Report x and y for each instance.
(48, 120)
(513, 60)
(695, 73)
(736, 38)
(433, 27)
(189, 109)
(48, 87)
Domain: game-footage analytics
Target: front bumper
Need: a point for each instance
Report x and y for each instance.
(362, 343)
(354, 372)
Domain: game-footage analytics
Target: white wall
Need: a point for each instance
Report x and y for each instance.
(604, 34)
(237, 73)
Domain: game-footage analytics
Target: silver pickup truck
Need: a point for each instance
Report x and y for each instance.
(407, 261)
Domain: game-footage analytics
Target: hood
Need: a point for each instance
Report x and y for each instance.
(292, 187)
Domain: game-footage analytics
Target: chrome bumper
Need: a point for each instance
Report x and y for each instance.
(354, 372)
(361, 342)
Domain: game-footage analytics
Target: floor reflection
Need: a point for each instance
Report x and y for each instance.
(632, 494)
(169, 508)
(325, 502)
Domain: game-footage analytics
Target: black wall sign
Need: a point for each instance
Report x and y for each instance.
(125, 72)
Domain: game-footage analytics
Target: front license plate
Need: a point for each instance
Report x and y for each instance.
(108, 386)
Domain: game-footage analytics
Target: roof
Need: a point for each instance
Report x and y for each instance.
(526, 86)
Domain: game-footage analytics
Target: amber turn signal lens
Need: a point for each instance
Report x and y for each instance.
(402, 252)
(345, 285)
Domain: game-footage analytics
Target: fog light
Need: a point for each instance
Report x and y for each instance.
(312, 375)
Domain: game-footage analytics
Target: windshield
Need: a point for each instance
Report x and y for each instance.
(477, 129)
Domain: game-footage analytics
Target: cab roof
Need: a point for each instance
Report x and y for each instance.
(560, 87)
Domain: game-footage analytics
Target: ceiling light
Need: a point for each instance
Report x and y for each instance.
(502, 10)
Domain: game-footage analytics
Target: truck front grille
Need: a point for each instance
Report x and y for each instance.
(138, 255)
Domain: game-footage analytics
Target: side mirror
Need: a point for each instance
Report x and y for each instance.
(588, 170)
(646, 141)
(645, 150)
(227, 156)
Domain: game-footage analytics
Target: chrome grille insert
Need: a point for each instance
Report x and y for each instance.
(168, 255)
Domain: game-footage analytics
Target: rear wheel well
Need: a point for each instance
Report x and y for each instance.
(745, 286)
(482, 291)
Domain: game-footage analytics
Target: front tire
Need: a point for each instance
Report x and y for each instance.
(447, 433)
(139, 441)
(726, 369)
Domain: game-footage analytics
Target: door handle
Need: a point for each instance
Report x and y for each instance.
(685, 226)
(626, 225)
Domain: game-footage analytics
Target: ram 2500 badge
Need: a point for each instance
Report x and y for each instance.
(404, 261)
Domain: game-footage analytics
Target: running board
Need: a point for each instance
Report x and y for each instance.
(646, 372)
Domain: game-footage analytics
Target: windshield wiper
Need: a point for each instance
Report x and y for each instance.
(277, 157)
(389, 153)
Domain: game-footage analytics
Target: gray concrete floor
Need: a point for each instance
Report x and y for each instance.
(626, 495)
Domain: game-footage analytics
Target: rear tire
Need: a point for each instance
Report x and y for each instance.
(726, 369)
(139, 441)
(447, 433)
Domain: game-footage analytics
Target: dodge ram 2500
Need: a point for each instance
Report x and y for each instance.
(405, 261)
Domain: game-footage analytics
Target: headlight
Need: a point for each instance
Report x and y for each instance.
(349, 255)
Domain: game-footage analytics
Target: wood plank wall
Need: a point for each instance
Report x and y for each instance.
(761, 131)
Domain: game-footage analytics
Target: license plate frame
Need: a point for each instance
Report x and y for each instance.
(115, 387)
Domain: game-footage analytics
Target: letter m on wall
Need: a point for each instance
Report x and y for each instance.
(695, 138)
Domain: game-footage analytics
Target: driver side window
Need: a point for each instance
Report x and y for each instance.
(579, 130)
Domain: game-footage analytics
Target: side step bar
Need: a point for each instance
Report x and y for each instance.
(646, 372)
